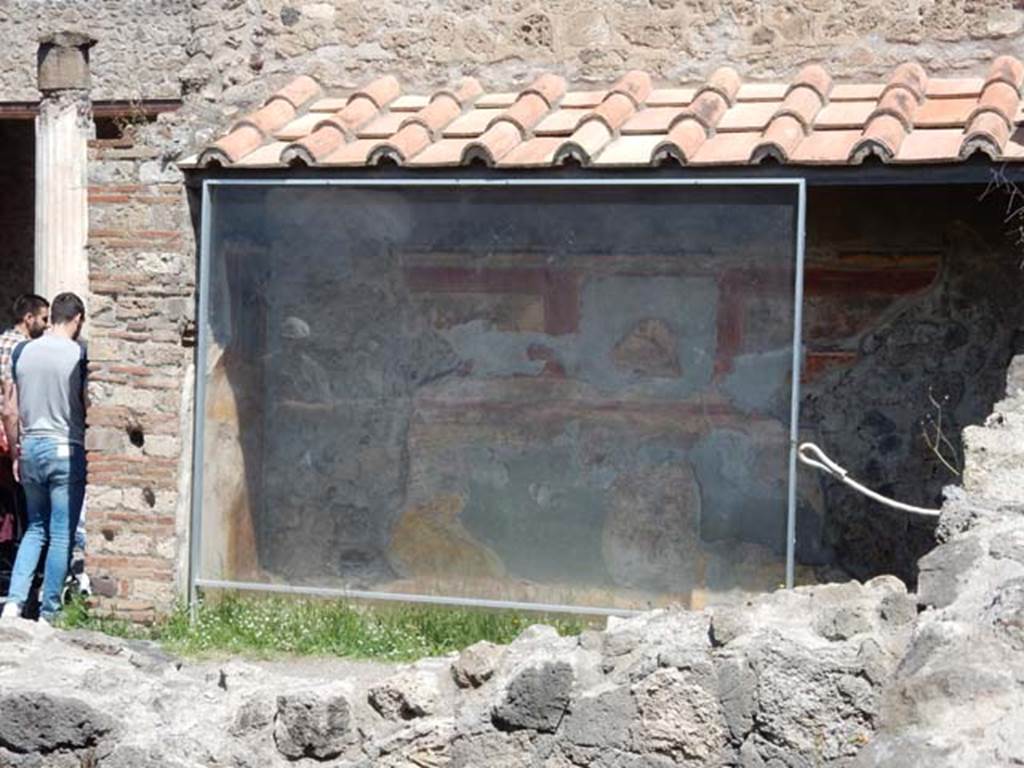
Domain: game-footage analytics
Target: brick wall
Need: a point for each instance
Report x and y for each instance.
(142, 283)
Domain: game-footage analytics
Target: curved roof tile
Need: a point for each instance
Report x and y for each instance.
(912, 117)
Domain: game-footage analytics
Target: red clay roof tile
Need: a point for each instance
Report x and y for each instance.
(1014, 149)
(826, 147)
(589, 99)
(635, 85)
(882, 138)
(636, 150)
(380, 91)
(561, 122)
(727, 149)
(780, 140)
(910, 118)
(585, 142)
(383, 126)
(329, 104)
(856, 91)
(724, 81)
(298, 92)
(298, 127)
(958, 86)
(548, 86)
(944, 112)
(500, 100)
(472, 123)
(816, 78)
(652, 120)
(683, 141)
(931, 145)
(276, 114)
(762, 92)
(354, 153)
(1008, 69)
(441, 154)
(844, 114)
(495, 142)
(526, 112)
(407, 103)
(671, 97)
(748, 116)
(530, 154)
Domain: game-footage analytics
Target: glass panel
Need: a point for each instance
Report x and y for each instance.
(574, 395)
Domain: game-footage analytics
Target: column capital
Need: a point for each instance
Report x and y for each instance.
(63, 62)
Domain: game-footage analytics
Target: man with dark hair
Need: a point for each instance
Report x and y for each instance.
(29, 317)
(44, 416)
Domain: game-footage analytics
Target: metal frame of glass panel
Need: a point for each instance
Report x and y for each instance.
(195, 578)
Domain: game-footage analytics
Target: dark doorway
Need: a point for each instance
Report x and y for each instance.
(17, 211)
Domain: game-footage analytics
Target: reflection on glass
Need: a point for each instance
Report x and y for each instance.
(561, 395)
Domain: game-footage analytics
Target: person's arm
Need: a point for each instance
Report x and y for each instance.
(10, 417)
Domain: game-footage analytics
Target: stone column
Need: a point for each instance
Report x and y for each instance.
(63, 129)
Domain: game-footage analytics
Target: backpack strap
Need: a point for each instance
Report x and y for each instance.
(83, 365)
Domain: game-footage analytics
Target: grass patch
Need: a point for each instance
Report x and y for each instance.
(271, 626)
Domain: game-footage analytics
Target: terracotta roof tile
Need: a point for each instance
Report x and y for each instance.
(561, 122)
(627, 151)
(329, 104)
(844, 114)
(762, 92)
(826, 147)
(749, 116)
(442, 153)
(299, 127)
(472, 123)
(911, 117)
(1014, 149)
(727, 149)
(500, 100)
(651, 120)
(960, 86)
(535, 152)
(588, 99)
(931, 145)
(409, 103)
(353, 153)
(383, 126)
(856, 91)
(944, 112)
(671, 97)
(267, 156)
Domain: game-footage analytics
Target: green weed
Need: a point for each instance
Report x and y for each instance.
(270, 626)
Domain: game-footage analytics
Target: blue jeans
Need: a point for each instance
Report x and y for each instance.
(53, 476)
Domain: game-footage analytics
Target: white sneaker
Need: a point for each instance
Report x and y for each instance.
(11, 611)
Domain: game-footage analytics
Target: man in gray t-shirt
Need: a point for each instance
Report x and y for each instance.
(44, 416)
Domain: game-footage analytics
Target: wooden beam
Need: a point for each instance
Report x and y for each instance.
(27, 110)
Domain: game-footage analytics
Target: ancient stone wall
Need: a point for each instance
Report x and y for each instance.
(140, 50)
(223, 56)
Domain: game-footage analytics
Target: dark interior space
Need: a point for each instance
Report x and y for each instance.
(912, 311)
(17, 210)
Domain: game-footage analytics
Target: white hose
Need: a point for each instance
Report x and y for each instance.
(826, 465)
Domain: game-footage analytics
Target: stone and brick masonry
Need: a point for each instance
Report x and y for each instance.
(223, 57)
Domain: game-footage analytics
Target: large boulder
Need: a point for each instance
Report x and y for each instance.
(41, 723)
(536, 698)
(308, 725)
